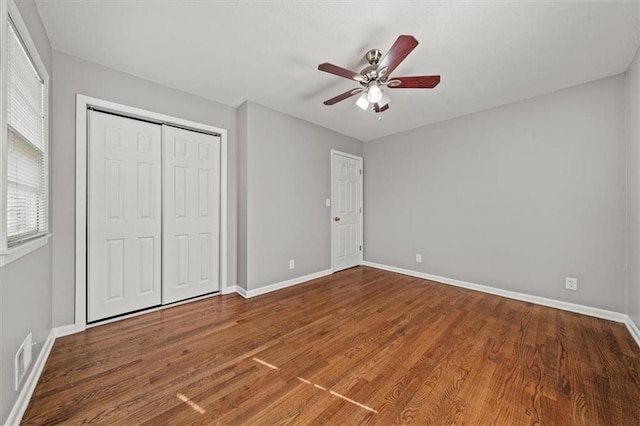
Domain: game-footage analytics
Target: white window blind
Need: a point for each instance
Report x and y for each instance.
(26, 165)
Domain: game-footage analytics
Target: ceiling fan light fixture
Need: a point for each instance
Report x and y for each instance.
(376, 78)
(374, 94)
(363, 101)
(384, 100)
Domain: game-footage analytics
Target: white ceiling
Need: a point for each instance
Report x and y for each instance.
(488, 53)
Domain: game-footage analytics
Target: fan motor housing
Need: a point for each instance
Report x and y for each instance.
(370, 73)
(373, 56)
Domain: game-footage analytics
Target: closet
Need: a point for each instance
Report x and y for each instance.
(153, 214)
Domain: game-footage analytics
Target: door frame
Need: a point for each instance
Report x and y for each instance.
(361, 199)
(84, 103)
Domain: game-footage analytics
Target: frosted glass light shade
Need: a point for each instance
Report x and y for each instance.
(363, 102)
(384, 99)
(374, 94)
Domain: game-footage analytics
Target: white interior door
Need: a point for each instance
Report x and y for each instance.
(124, 215)
(191, 214)
(346, 210)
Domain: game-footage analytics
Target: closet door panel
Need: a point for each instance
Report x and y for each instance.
(191, 214)
(124, 215)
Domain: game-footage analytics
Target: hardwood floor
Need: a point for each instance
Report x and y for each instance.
(359, 346)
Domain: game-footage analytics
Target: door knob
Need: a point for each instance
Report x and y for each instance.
(336, 219)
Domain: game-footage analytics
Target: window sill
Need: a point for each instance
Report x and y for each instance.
(15, 253)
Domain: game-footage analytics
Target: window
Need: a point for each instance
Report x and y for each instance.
(23, 139)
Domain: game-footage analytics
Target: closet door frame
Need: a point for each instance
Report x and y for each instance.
(85, 103)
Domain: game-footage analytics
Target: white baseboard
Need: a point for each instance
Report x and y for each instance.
(282, 284)
(65, 330)
(633, 329)
(558, 304)
(229, 290)
(15, 416)
(242, 292)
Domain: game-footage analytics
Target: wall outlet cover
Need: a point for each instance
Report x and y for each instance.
(292, 264)
(571, 283)
(418, 258)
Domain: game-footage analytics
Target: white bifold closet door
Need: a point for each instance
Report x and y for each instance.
(191, 214)
(124, 217)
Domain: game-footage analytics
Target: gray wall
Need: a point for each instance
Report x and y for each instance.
(241, 122)
(74, 75)
(25, 285)
(288, 179)
(25, 299)
(517, 197)
(633, 190)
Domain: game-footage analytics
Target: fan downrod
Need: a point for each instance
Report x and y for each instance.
(373, 56)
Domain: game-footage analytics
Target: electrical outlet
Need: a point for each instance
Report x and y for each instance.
(418, 258)
(292, 264)
(571, 283)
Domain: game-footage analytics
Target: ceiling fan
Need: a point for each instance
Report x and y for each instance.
(377, 75)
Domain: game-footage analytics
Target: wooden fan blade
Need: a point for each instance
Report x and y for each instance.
(342, 96)
(377, 108)
(339, 71)
(415, 82)
(400, 49)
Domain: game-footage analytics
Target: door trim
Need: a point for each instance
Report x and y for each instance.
(83, 103)
(361, 199)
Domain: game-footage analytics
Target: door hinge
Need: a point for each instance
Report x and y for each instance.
(360, 209)
(360, 171)
(360, 248)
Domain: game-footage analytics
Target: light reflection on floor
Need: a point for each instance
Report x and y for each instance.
(190, 403)
(322, 388)
(266, 364)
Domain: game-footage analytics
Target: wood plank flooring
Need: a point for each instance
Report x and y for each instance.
(362, 346)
